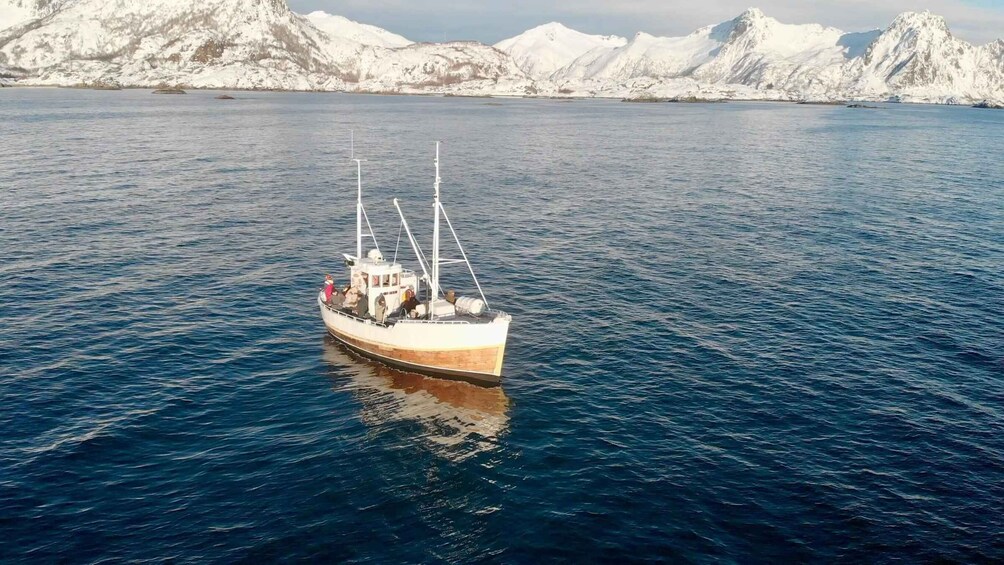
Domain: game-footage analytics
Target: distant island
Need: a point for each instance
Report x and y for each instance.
(225, 44)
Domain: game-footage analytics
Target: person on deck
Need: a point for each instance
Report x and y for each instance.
(352, 296)
(337, 297)
(363, 305)
(329, 288)
(381, 309)
(410, 302)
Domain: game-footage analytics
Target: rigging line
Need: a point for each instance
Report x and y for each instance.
(398, 245)
(422, 263)
(469, 267)
(372, 235)
(420, 252)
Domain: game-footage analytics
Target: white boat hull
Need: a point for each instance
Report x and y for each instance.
(470, 351)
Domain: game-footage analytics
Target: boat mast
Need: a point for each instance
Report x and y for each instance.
(435, 242)
(359, 209)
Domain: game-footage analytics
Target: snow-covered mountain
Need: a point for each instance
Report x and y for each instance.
(239, 43)
(544, 49)
(254, 44)
(761, 52)
(918, 58)
(756, 56)
(751, 56)
(365, 34)
(263, 44)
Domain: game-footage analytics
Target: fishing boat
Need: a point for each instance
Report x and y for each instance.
(414, 325)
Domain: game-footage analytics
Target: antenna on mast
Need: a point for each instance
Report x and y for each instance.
(435, 242)
(361, 215)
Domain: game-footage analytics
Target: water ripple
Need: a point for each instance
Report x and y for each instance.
(742, 332)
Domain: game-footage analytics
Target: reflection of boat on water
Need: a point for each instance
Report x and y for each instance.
(459, 416)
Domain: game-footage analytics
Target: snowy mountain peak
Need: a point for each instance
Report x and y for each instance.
(924, 19)
(558, 32)
(911, 31)
(551, 30)
(340, 27)
(541, 51)
(751, 23)
(752, 15)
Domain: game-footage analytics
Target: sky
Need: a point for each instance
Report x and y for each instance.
(489, 21)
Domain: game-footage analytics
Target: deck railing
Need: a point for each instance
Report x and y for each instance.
(494, 314)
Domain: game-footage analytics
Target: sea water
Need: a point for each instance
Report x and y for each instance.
(741, 332)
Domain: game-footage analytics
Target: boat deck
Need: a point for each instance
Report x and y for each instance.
(485, 318)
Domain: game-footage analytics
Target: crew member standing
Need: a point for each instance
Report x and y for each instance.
(329, 288)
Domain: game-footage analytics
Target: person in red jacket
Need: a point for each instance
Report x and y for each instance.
(329, 288)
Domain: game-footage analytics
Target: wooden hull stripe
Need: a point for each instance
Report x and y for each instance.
(473, 377)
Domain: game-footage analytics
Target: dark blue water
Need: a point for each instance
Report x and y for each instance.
(742, 332)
